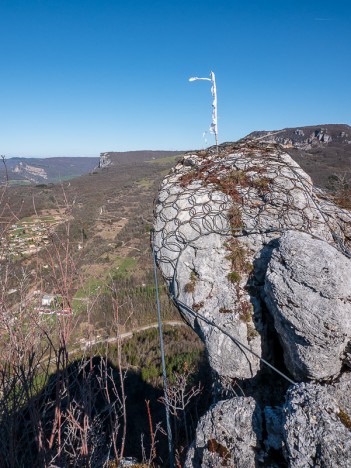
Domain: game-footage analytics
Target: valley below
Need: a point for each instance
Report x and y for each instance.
(78, 305)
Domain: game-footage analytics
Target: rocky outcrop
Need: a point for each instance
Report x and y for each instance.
(306, 138)
(258, 263)
(316, 429)
(29, 171)
(104, 161)
(228, 435)
(308, 292)
(216, 218)
(312, 428)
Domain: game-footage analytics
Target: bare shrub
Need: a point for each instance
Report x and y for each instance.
(341, 186)
(60, 406)
(182, 396)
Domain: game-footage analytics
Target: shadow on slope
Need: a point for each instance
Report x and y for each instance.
(78, 416)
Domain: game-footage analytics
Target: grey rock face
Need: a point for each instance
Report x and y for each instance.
(314, 431)
(252, 253)
(104, 161)
(308, 291)
(270, 194)
(192, 228)
(340, 390)
(312, 428)
(228, 435)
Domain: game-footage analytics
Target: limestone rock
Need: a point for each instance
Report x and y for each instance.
(252, 253)
(215, 208)
(30, 172)
(228, 435)
(308, 291)
(104, 160)
(191, 234)
(316, 429)
(340, 390)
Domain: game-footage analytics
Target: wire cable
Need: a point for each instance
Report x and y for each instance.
(235, 340)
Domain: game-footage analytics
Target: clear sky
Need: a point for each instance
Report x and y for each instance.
(79, 77)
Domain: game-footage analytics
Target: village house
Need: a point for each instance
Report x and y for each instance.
(48, 300)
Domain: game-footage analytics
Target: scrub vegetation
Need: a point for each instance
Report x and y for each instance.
(71, 388)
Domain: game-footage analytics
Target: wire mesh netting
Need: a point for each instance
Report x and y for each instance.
(251, 191)
(246, 194)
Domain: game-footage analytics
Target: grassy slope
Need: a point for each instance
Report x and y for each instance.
(111, 217)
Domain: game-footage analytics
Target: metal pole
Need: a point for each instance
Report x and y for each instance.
(165, 386)
(214, 126)
(214, 108)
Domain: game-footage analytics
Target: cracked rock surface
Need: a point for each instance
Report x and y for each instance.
(258, 263)
(228, 435)
(316, 431)
(308, 292)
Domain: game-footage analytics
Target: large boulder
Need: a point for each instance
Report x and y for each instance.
(257, 260)
(216, 217)
(317, 429)
(192, 230)
(228, 435)
(308, 291)
(312, 428)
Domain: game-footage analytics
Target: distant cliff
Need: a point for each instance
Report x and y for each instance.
(44, 170)
(259, 264)
(113, 158)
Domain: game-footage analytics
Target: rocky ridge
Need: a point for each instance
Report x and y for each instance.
(116, 158)
(306, 138)
(259, 265)
(30, 171)
(323, 151)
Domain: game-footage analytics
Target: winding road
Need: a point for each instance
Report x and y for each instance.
(112, 339)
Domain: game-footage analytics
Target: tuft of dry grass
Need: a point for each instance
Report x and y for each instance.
(230, 183)
(237, 257)
(343, 199)
(234, 277)
(246, 311)
(190, 286)
(197, 306)
(345, 419)
(235, 218)
(251, 332)
(216, 447)
(261, 185)
(223, 310)
(188, 178)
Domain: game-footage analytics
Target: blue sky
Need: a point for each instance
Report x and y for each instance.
(79, 77)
